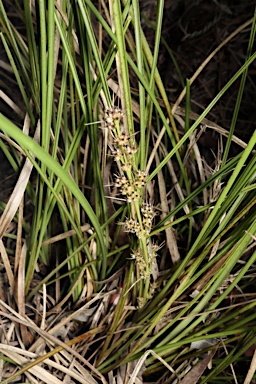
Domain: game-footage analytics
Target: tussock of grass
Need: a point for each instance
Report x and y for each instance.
(127, 246)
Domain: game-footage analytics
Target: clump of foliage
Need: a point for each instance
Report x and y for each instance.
(128, 252)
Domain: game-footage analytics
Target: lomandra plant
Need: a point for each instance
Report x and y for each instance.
(134, 250)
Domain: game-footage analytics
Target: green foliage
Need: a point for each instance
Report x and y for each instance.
(109, 165)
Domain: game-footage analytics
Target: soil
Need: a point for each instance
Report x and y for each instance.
(193, 30)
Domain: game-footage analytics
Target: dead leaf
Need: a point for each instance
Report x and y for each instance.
(196, 372)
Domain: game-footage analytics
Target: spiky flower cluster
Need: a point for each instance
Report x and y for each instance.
(131, 187)
(144, 267)
(148, 214)
(131, 183)
(113, 115)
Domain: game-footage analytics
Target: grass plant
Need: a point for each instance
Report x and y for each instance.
(127, 252)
